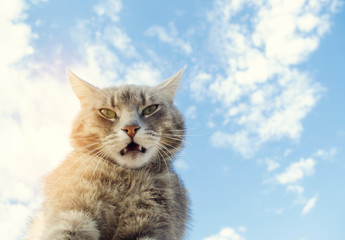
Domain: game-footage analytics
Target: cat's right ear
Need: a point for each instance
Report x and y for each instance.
(169, 86)
(80, 87)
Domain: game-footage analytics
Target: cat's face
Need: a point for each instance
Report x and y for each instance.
(128, 125)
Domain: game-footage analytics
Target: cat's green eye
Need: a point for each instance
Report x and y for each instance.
(150, 109)
(108, 113)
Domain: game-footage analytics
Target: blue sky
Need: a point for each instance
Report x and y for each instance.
(262, 94)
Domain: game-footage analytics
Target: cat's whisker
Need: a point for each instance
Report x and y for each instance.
(96, 168)
(167, 152)
(180, 135)
(100, 153)
(111, 137)
(165, 146)
(90, 155)
(171, 159)
(166, 165)
(105, 155)
(177, 139)
(76, 163)
(106, 142)
(183, 132)
(172, 136)
(87, 146)
(162, 143)
(173, 133)
(177, 130)
(166, 134)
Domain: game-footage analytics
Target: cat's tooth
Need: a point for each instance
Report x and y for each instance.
(123, 151)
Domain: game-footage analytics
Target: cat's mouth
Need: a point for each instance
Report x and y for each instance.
(132, 147)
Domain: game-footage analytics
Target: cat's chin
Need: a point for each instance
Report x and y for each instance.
(134, 159)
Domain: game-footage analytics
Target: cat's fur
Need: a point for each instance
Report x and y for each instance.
(99, 192)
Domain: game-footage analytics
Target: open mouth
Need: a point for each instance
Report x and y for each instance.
(132, 147)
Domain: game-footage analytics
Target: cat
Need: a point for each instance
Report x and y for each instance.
(118, 182)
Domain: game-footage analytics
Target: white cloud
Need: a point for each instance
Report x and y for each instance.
(279, 211)
(296, 171)
(309, 205)
(228, 234)
(15, 43)
(39, 1)
(191, 112)
(171, 37)
(100, 53)
(100, 66)
(292, 180)
(287, 152)
(276, 211)
(271, 165)
(12, 10)
(258, 46)
(199, 83)
(142, 73)
(119, 39)
(240, 141)
(12, 220)
(242, 229)
(110, 9)
(295, 188)
(327, 154)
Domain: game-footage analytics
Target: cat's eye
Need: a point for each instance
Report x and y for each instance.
(150, 109)
(108, 113)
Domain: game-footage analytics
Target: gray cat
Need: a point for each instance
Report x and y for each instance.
(118, 183)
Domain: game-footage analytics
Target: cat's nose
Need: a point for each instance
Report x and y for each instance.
(131, 130)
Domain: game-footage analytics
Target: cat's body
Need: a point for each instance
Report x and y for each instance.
(118, 182)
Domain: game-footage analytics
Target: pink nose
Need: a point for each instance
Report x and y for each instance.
(131, 130)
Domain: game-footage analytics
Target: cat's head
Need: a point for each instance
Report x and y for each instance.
(129, 125)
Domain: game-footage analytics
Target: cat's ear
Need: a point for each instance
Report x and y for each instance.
(170, 85)
(80, 87)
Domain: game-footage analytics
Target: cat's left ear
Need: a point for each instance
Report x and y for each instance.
(80, 87)
(170, 85)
